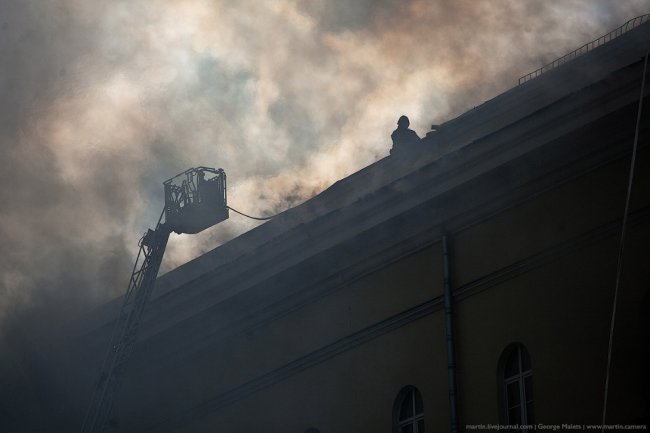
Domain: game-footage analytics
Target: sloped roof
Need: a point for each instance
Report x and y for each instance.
(350, 205)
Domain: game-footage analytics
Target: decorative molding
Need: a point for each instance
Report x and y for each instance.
(397, 321)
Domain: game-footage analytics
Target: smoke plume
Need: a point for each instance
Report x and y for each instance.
(102, 101)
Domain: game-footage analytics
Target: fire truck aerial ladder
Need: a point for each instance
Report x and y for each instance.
(194, 200)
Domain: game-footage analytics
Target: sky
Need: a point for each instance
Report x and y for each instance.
(101, 101)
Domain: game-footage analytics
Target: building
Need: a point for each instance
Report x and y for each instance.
(331, 317)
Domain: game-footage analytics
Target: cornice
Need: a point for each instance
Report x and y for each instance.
(378, 329)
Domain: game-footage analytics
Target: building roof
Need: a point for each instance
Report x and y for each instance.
(274, 263)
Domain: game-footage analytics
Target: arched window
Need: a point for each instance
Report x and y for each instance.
(516, 382)
(408, 411)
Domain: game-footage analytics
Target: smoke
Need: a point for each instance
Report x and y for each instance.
(102, 101)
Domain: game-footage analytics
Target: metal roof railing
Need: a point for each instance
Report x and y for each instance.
(629, 25)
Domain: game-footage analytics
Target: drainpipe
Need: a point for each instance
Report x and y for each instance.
(449, 329)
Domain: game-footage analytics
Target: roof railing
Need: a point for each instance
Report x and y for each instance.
(629, 25)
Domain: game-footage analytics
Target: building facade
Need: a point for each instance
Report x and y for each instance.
(332, 316)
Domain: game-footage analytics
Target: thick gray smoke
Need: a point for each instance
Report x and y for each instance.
(102, 101)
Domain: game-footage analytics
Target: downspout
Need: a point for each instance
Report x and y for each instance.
(449, 329)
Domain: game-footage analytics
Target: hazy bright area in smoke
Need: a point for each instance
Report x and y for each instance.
(102, 101)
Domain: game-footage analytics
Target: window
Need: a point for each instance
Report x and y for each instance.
(408, 412)
(516, 377)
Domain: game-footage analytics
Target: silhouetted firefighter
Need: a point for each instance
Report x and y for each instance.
(403, 137)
